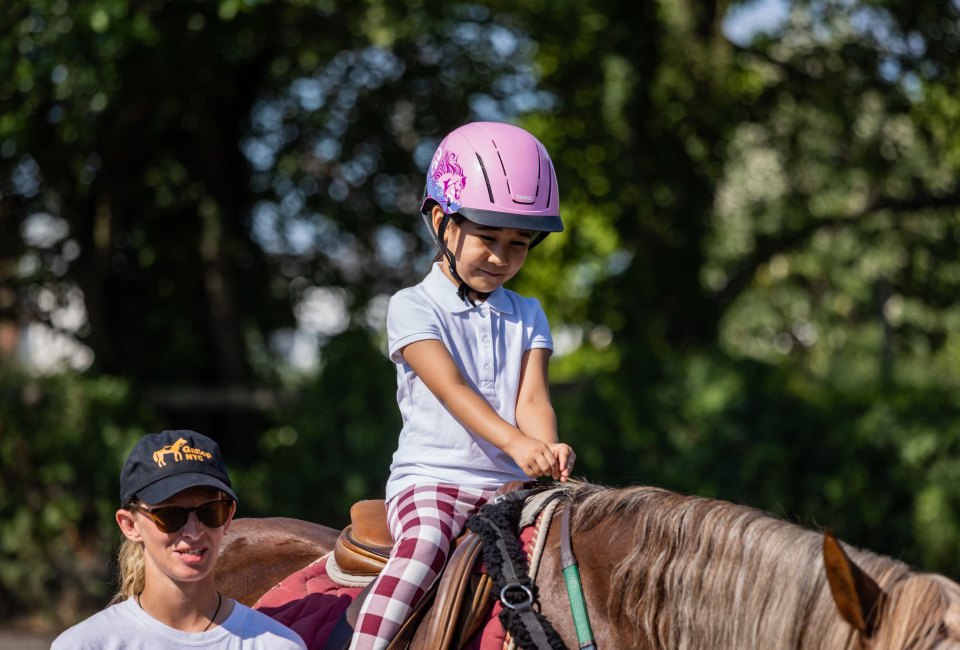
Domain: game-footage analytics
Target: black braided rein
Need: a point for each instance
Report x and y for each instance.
(496, 524)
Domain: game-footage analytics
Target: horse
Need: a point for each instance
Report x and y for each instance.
(169, 449)
(666, 571)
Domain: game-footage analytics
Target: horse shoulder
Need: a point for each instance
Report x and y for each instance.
(257, 553)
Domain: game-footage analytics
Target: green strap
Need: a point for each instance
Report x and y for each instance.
(571, 576)
(578, 606)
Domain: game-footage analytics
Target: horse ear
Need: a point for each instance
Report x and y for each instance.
(858, 597)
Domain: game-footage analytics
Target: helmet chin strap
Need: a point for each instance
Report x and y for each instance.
(463, 288)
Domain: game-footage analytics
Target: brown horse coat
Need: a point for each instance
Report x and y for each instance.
(256, 554)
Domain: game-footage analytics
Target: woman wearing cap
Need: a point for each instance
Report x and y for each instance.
(176, 504)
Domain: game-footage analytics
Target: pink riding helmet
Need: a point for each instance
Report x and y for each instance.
(495, 175)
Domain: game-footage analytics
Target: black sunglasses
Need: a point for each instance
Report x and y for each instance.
(170, 519)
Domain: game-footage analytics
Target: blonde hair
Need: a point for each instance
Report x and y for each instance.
(130, 571)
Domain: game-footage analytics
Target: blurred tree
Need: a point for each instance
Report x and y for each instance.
(790, 201)
(833, 243)
(754, 297)
(205, 158)
(62, 440)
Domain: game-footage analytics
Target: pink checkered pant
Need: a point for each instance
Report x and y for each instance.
(424, 521)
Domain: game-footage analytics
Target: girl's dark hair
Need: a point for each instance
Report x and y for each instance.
(458, 219)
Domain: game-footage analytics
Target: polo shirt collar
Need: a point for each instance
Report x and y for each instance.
(441, 289)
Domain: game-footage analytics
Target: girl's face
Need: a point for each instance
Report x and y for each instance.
(486, 257)
(185, 555)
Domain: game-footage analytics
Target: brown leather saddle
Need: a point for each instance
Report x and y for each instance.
(452, 611)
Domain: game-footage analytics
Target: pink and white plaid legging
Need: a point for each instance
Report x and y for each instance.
(424, 521)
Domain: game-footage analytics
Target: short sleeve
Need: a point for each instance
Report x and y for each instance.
(540, 337)
(410, 318)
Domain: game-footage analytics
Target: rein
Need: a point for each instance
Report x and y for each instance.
(496, 523)
(571, 577)
(497, 526)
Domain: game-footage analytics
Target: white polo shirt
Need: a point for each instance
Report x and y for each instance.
(487, 342)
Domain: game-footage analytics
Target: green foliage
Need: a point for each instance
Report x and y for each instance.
(334, 446)
(62, 442)
(877, 466)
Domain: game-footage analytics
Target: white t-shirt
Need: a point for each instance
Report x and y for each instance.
(487, 342)
(125, 626)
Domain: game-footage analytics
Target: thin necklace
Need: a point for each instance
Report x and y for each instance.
(212, 618)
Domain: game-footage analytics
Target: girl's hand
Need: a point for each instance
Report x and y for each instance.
(565, 459)
(535, 458)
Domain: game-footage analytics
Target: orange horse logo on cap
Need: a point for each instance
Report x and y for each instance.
(169, 449)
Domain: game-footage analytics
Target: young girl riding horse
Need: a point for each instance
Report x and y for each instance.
(471, 361)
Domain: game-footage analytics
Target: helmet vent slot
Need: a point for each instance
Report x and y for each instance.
(486, 178)
(503, 167)
(549, 187)
(539, 169)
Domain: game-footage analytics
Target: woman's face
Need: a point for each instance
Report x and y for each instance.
(186, 555)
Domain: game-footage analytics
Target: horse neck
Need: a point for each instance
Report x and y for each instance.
(708, 574)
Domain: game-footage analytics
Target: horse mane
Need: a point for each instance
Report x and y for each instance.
(704, 573)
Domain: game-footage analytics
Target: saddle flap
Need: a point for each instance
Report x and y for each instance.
(444, 624)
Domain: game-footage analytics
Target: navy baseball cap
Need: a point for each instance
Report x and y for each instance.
(162, 464)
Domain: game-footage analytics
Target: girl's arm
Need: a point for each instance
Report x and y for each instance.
(535, 414)
(432, 362)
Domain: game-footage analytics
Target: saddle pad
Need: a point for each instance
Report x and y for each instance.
(310, 603)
